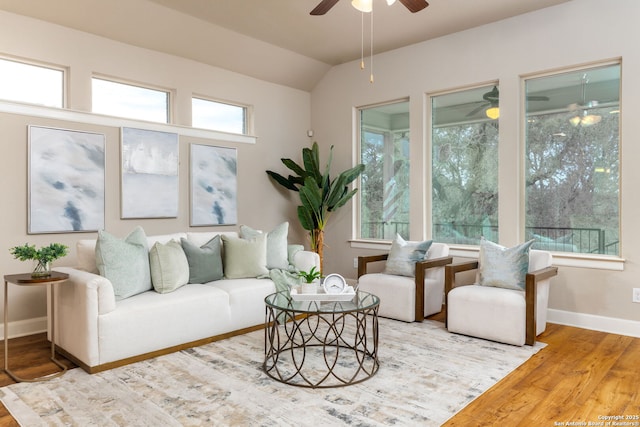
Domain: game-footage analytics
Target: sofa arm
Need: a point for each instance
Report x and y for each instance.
(305, 260)
(79, 304)
(94, 290)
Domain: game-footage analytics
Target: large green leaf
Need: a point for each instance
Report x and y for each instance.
(294, 167)
(282, 180)
(306, 218)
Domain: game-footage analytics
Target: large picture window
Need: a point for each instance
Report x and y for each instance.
(126, 100)
(573, 161)
(465, 165)
(384, 183)
(33, 84)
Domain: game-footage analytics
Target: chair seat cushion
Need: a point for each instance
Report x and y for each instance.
(492, 313)
(398, 294)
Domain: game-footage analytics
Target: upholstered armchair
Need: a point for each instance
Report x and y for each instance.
(403, 297)
(513, 316)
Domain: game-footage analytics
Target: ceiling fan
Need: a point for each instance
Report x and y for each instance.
(491, 100)
(413, 6)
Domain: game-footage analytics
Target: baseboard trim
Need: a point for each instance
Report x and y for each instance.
(22, 328)
(597, 323)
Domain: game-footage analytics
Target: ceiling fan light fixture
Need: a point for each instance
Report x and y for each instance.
(390, 2)
(363, 5)
(493, 112)
(590, 119)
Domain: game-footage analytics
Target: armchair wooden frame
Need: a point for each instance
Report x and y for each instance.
(531, 281)
(421, 267)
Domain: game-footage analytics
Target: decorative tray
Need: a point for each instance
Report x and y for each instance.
(347, 295)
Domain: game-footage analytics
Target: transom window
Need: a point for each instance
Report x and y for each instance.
(126, 100)
(30, 83)
(221, 116)
(384, 183)
(573, 160)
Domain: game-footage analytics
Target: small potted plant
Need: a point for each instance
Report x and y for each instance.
(309, 280)
(42, 257)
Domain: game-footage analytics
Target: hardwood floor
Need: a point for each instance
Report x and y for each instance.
(579, 377)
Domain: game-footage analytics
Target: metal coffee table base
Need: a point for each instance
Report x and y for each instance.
(321, 350)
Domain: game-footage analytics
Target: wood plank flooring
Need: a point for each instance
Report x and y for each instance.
(579, 377)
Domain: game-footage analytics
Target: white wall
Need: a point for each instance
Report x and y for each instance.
(571, 34)
(282, 117)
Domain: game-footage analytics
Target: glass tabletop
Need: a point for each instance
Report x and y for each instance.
(283, 301)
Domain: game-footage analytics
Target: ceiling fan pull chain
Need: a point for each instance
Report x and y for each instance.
(371, 60)
(362, 41)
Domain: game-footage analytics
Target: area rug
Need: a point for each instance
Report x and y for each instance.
(426, 375)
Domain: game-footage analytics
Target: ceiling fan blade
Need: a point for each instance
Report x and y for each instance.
(478, 108)
(414, 5)
(323, 7)
(537, 98)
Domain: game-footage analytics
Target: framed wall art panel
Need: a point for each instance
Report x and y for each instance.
(66, 180)
(150, 162)
(214, 185)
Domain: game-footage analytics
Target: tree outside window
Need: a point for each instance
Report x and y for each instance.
(465, 166)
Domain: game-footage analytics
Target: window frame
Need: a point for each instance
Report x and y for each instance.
(573, 259)
(357, 240)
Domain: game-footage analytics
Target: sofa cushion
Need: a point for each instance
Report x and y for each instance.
(503, 267)
(169, 266)
(277, 254)
(205, 262)
(404, 255)
(245, 257)
(125, 262)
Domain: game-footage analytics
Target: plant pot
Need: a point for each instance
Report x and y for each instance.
(309, 288)
(41, 269)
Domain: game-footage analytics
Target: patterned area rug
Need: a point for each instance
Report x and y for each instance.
(426, 375)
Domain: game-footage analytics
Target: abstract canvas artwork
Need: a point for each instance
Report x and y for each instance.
(66, 180)
(214, 185)
(150, 162)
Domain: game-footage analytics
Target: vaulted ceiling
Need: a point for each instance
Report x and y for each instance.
(273, 40)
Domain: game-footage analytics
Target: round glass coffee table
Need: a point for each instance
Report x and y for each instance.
(320, 344)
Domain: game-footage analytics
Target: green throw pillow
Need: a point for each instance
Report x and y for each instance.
(124, 262)
(503, 267)
(205, 262)
(169, 267)
(404, 255)
(245, 257)
(277, 253)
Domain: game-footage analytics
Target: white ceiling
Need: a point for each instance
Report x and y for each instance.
(274, 40)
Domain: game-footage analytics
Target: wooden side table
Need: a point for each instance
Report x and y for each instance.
(26, 280)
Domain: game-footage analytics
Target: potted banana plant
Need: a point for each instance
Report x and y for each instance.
(320, 194)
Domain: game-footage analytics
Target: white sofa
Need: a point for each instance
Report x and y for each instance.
(99, 332)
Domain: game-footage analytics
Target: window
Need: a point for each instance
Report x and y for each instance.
(125, 100)
(219, 116)
(32, 84)
(465, 165)
(384, 183)
(572, 163)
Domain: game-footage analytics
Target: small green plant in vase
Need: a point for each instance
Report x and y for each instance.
(309, 280)
(42, 257)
